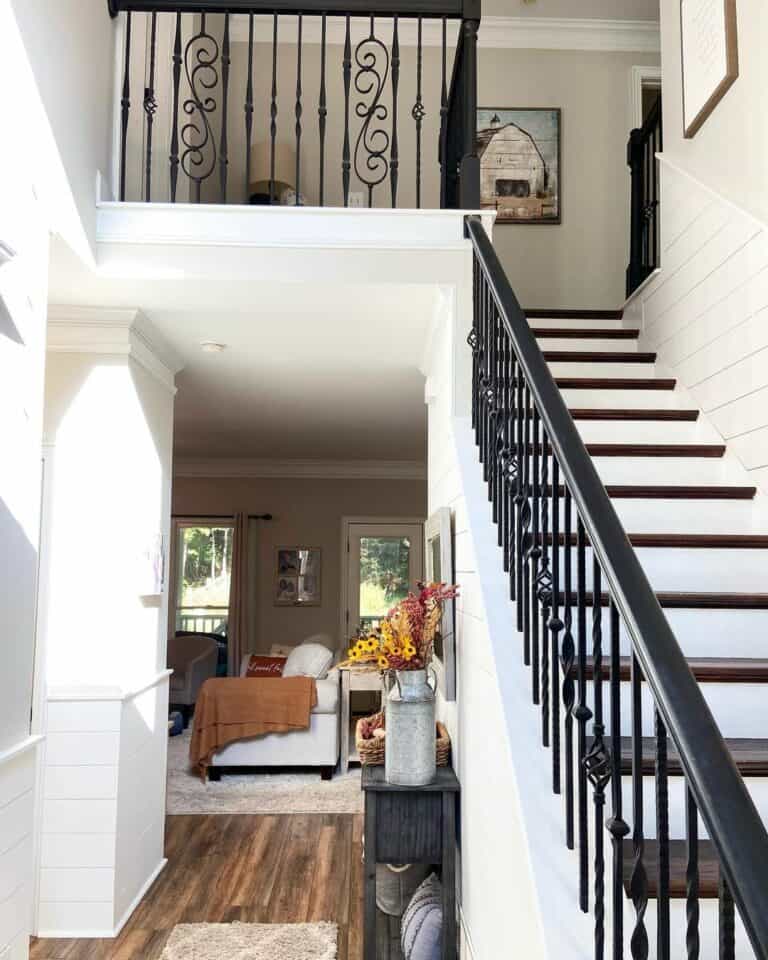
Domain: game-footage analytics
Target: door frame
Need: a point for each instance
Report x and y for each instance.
(639, 77)
(346, 523)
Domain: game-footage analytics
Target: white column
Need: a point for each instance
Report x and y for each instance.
(109, 421)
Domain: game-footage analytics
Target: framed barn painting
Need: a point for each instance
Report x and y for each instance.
(519, 152)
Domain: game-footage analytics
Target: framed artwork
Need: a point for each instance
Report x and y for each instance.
(709, 56)
(297, 577)
(440, 569)
(519, 152)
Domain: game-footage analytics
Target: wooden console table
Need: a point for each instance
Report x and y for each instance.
(352, 679)
(411, 825)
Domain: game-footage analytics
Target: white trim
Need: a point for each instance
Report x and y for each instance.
(6, 253)
(641, 289)
(308, 469)
(510, 33)
(139, 896)
(23, 746)
(638, 78)
(465, 930)
(114, 331)
(89, 693)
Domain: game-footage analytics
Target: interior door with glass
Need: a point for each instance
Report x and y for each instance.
(385, 560)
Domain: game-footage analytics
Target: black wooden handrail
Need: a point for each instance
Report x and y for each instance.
(452, 9)
(735, 827)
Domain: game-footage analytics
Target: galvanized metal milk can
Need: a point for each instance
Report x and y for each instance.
(409, 757)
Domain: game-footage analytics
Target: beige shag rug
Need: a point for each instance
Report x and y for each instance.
(266, 793)
(252, 941)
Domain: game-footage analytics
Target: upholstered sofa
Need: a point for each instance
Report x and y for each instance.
(317, 746)
(193, 661)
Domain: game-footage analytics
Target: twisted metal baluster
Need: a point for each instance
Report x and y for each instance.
(598, 760)
(298, 110)
(726, 920)
(174, 157)
(534, 553)
(520, 500)
(544, 588)
(394, 156)
(223, 145)
(125, 105)
(249, 109)
(273, 112)
(692, 941)
(662, 839)
(526, 538)
(617, 827)
(418, 111)
(443, 118)
(150, 107)
(322, 108)
(582, 713)
(638, 883)
(346, 165)
(555, 623)
(473, 339)
(567, 661)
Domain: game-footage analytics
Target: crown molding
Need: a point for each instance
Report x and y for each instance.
(225, 468)
(115, 332)
(510, 33)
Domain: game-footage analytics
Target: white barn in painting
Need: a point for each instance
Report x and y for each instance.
(510, 162)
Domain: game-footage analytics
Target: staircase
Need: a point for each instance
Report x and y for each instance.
(648, 664)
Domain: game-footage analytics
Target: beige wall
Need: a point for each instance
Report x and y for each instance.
(306, 513)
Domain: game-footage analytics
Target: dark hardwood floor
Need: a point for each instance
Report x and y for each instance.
(257, 869)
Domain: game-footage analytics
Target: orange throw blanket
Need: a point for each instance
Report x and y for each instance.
(234, 708)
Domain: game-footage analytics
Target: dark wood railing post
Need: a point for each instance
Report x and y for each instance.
(635, 164)
(469, 175)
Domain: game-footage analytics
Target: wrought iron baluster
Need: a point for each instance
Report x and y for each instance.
(726, 920)
(544, 587)
(526, 538)
(150, 107)
(418, 112)
(373, 142)
(442, 150)
(492, 398)
(249, 109)
(567, 661)
(273, 112)
(485, 377)
(174, 158)
(125, 105)
(509, 459)
(598, 760)
(198, 159)
(223, 145)
(534, 553)
(520, 499)
(346, 165)
(582, 713)
(322, 108)
(638, 884)
(298, 108)
(555, 623)
(692, 940)
(617, 826)
(394, 156)
(662, 839)
(473, 339)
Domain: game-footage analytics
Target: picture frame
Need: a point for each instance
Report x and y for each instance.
(440, 568)
(298, 577)
(520, 153)
(709, 57)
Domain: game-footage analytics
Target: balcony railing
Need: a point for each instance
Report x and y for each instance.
(353, 103)
(202, 619)
(644, 143)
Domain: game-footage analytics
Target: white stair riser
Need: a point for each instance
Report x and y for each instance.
(627, 399)
(647, 431)
(608, 345)
(639, 371)
(684, 516)
(591, 323)
(661, 471)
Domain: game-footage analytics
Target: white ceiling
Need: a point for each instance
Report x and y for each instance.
(311, 371)
(587, 9)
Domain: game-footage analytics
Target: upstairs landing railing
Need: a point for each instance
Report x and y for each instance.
(645, 192)
(354, 102)
(558, 530)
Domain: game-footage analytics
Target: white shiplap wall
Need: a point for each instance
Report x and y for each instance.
(706, 312)
(17, 780)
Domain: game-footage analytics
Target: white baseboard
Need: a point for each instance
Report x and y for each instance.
(466, 939)
(105, 933)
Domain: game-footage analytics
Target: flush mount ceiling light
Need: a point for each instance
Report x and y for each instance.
(211, 346)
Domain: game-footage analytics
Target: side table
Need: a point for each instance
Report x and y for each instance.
(411, 825)
(353, 679)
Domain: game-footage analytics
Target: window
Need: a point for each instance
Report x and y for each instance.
(203, 573)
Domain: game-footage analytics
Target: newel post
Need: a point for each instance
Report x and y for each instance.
(635, 163)
(469, 179)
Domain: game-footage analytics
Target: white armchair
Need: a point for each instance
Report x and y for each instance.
(193, 661)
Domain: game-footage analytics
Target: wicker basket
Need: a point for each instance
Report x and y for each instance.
(371, 752)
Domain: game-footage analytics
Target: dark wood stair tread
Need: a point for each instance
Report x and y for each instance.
(653, 492)
(749, 755)
(695, 541)
(584, 333)
(596, 356)
(709, 868)
(539, 313)
(711, 450)
(614, 383)
(705, 669)
(692, 601)
(606, 413)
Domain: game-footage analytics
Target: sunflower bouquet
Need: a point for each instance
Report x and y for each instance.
(405, 638)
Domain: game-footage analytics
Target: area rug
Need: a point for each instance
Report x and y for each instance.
(252, 941)
(267, 793)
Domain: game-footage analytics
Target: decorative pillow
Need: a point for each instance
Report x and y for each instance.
(421, 930)
(265, 666)
(281, 649)
(395, 885)
(308, 660)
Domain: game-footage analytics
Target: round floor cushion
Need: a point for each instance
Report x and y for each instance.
(422, 925)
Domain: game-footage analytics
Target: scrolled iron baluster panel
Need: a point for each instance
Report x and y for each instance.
(544, 587)
(198, 159)
(373, 142)
(617, 827)
(692, 938)
(597, 760)
(638, 882)
(555, 624)
(567, 663)
(582, 713)
(662, 839)
(174, 157)
(150, 108)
